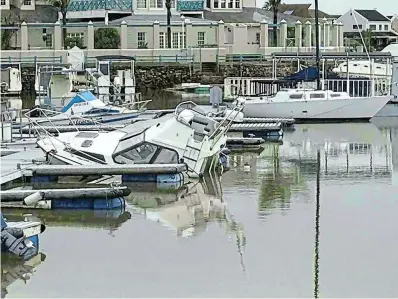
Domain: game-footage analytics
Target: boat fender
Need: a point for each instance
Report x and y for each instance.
(33, 199)
(117, 102)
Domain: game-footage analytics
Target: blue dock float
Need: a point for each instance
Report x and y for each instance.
(88, 198)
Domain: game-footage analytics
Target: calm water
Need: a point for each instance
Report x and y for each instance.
(266, 245)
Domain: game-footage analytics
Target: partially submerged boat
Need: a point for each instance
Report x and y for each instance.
(186, 136)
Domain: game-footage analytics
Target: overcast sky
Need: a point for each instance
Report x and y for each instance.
(386, 7)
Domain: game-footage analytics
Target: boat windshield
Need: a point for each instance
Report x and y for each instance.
(133, 149)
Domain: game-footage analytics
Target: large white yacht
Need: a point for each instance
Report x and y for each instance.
(310, 104)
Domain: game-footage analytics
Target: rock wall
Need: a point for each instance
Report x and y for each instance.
(165, 76)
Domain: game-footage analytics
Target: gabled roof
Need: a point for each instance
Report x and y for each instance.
(84, 5)
(41, 14)
(301, 10)
(372, 15)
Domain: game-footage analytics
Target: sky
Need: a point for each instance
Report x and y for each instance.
(386, 7)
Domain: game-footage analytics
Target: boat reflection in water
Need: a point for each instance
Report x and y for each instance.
(188, 211)
(348, 151)
(13, 269)
(104, 219)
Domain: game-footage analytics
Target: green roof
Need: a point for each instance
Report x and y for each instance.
(83, 5)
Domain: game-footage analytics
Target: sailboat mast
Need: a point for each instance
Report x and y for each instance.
(318, 79)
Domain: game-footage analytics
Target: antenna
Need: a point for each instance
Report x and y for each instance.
(318, 79)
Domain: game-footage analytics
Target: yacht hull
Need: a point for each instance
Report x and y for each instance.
(332, 109)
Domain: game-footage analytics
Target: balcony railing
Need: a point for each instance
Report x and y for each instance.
(190, 5)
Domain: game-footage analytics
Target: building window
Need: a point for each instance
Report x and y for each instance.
(257, 37)
(208, 3)
(156, 4)
(27, 2)
(183, 40)
(175, 40)
(141, 3)
(380, 27)
(215, 3)
(49, 41)
(162, 40)
(385, 27)
(230, 3)
(223, 3)
(201, 38)
(3, 2)
(237, 3)
(141, 38)
(372, 27)
(356, 26)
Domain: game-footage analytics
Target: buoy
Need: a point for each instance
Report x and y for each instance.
(246, 167)
(33, 199)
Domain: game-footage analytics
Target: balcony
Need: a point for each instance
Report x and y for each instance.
(190, 5)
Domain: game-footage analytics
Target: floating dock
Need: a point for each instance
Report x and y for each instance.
(89, 198)
(161, 173)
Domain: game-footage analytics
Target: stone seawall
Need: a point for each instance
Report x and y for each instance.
(166, 76)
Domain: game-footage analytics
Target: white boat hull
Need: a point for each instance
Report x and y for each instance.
(332, 109)
(389, 110)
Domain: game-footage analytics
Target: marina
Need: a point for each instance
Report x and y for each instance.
(240, 179)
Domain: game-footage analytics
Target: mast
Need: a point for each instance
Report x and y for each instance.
(318, 80)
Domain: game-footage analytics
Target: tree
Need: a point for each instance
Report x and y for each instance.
(62, 6)
(168, 7)
(273, 5)
(368, 39)
(106, 38)
(7, 34)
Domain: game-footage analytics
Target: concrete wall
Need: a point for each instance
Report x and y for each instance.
(220, 39)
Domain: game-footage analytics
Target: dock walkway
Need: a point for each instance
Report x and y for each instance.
(14, 165)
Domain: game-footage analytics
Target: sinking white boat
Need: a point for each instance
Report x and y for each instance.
(311, 104)
(187, 135)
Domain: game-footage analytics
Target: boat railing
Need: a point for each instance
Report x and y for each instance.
(265, 86)
(75, 122)
(188, 105)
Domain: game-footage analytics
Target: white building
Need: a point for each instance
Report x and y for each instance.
(359, 20)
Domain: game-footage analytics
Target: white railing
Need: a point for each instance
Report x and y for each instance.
(241, 86)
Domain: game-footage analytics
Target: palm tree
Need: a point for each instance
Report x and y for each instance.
(368, 38)
(168, 7)
(62, 6)
(273, 5)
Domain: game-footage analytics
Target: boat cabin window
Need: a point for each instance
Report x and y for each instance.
(166, 156)
(146, 153)
(87, 143)
(141, 154)
(87, 135)
(334, 95)
(296, 96)
(317, 95)
(129, 141)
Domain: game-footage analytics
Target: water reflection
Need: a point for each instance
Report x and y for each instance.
(105, 219)
(13, 270)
